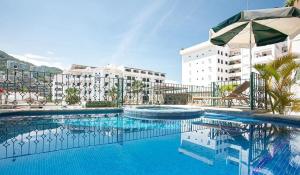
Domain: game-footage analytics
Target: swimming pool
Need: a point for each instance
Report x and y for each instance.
(116, 144)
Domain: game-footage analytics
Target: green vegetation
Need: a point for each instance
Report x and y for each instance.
(137, 86)
(99, 104)
(4, 57)
(113, 93)
(227, 88)
(72, 96)
(278, 76)
(290, 3)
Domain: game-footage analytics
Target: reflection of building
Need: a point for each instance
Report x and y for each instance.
(217, 146)
(238, 148)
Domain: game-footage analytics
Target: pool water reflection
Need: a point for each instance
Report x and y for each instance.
(114, 144)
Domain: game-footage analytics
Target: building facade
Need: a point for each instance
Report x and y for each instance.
(205, 63)
(98, 83)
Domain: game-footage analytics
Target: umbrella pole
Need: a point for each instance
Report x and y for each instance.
(251, 76)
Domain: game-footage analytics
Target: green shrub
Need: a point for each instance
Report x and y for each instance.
(72, 96)
(97, 104)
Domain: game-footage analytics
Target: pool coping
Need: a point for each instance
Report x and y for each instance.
(26, 112)
(227, 111)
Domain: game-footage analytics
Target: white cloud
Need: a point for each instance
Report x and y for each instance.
(50, 52)
(40, 60)
(164, 17)
(132, 35)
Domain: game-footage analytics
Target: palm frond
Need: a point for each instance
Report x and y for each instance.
(290, 3)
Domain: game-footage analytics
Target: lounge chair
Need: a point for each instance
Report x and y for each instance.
(236, 94)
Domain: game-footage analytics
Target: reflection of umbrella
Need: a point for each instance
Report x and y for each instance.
(257, 27)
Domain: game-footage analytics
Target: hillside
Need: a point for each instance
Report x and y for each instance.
(4, 57)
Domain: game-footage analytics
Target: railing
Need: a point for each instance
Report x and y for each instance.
(38, 89)
(36, 136)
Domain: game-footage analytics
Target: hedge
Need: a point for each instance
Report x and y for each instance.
(97, 104)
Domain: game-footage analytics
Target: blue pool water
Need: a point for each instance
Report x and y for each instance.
(114, 144)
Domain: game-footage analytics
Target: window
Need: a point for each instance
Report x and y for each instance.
(218, 60)
(128, 70)
(143, 72)
(218, 69)
(221, 61)
(284, 49)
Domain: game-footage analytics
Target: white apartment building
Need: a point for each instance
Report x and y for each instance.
(94, 83)
(205, 63)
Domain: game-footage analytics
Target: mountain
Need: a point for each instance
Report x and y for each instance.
(4, 57)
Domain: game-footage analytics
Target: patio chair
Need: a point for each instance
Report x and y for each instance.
(236, 94)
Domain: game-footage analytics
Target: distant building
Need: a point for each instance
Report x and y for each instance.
(94, 83)
(11, 64)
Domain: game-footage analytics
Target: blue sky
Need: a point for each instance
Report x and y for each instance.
(140, 33)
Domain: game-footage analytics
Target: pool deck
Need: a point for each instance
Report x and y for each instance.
(241, 112)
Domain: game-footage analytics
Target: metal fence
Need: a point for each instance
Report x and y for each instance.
(37, 89)
(49, 134)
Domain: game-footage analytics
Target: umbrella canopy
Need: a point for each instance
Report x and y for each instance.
(260, 27)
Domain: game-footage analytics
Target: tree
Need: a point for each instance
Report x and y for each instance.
(227, 88)
(72, 96)
(278, 75)
(137, 88)
(113, 93)
(290, 3)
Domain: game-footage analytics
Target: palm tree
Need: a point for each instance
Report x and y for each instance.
(113, 92)
(290, 3)
(72, 96)
(278, 76)
(137, 88)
